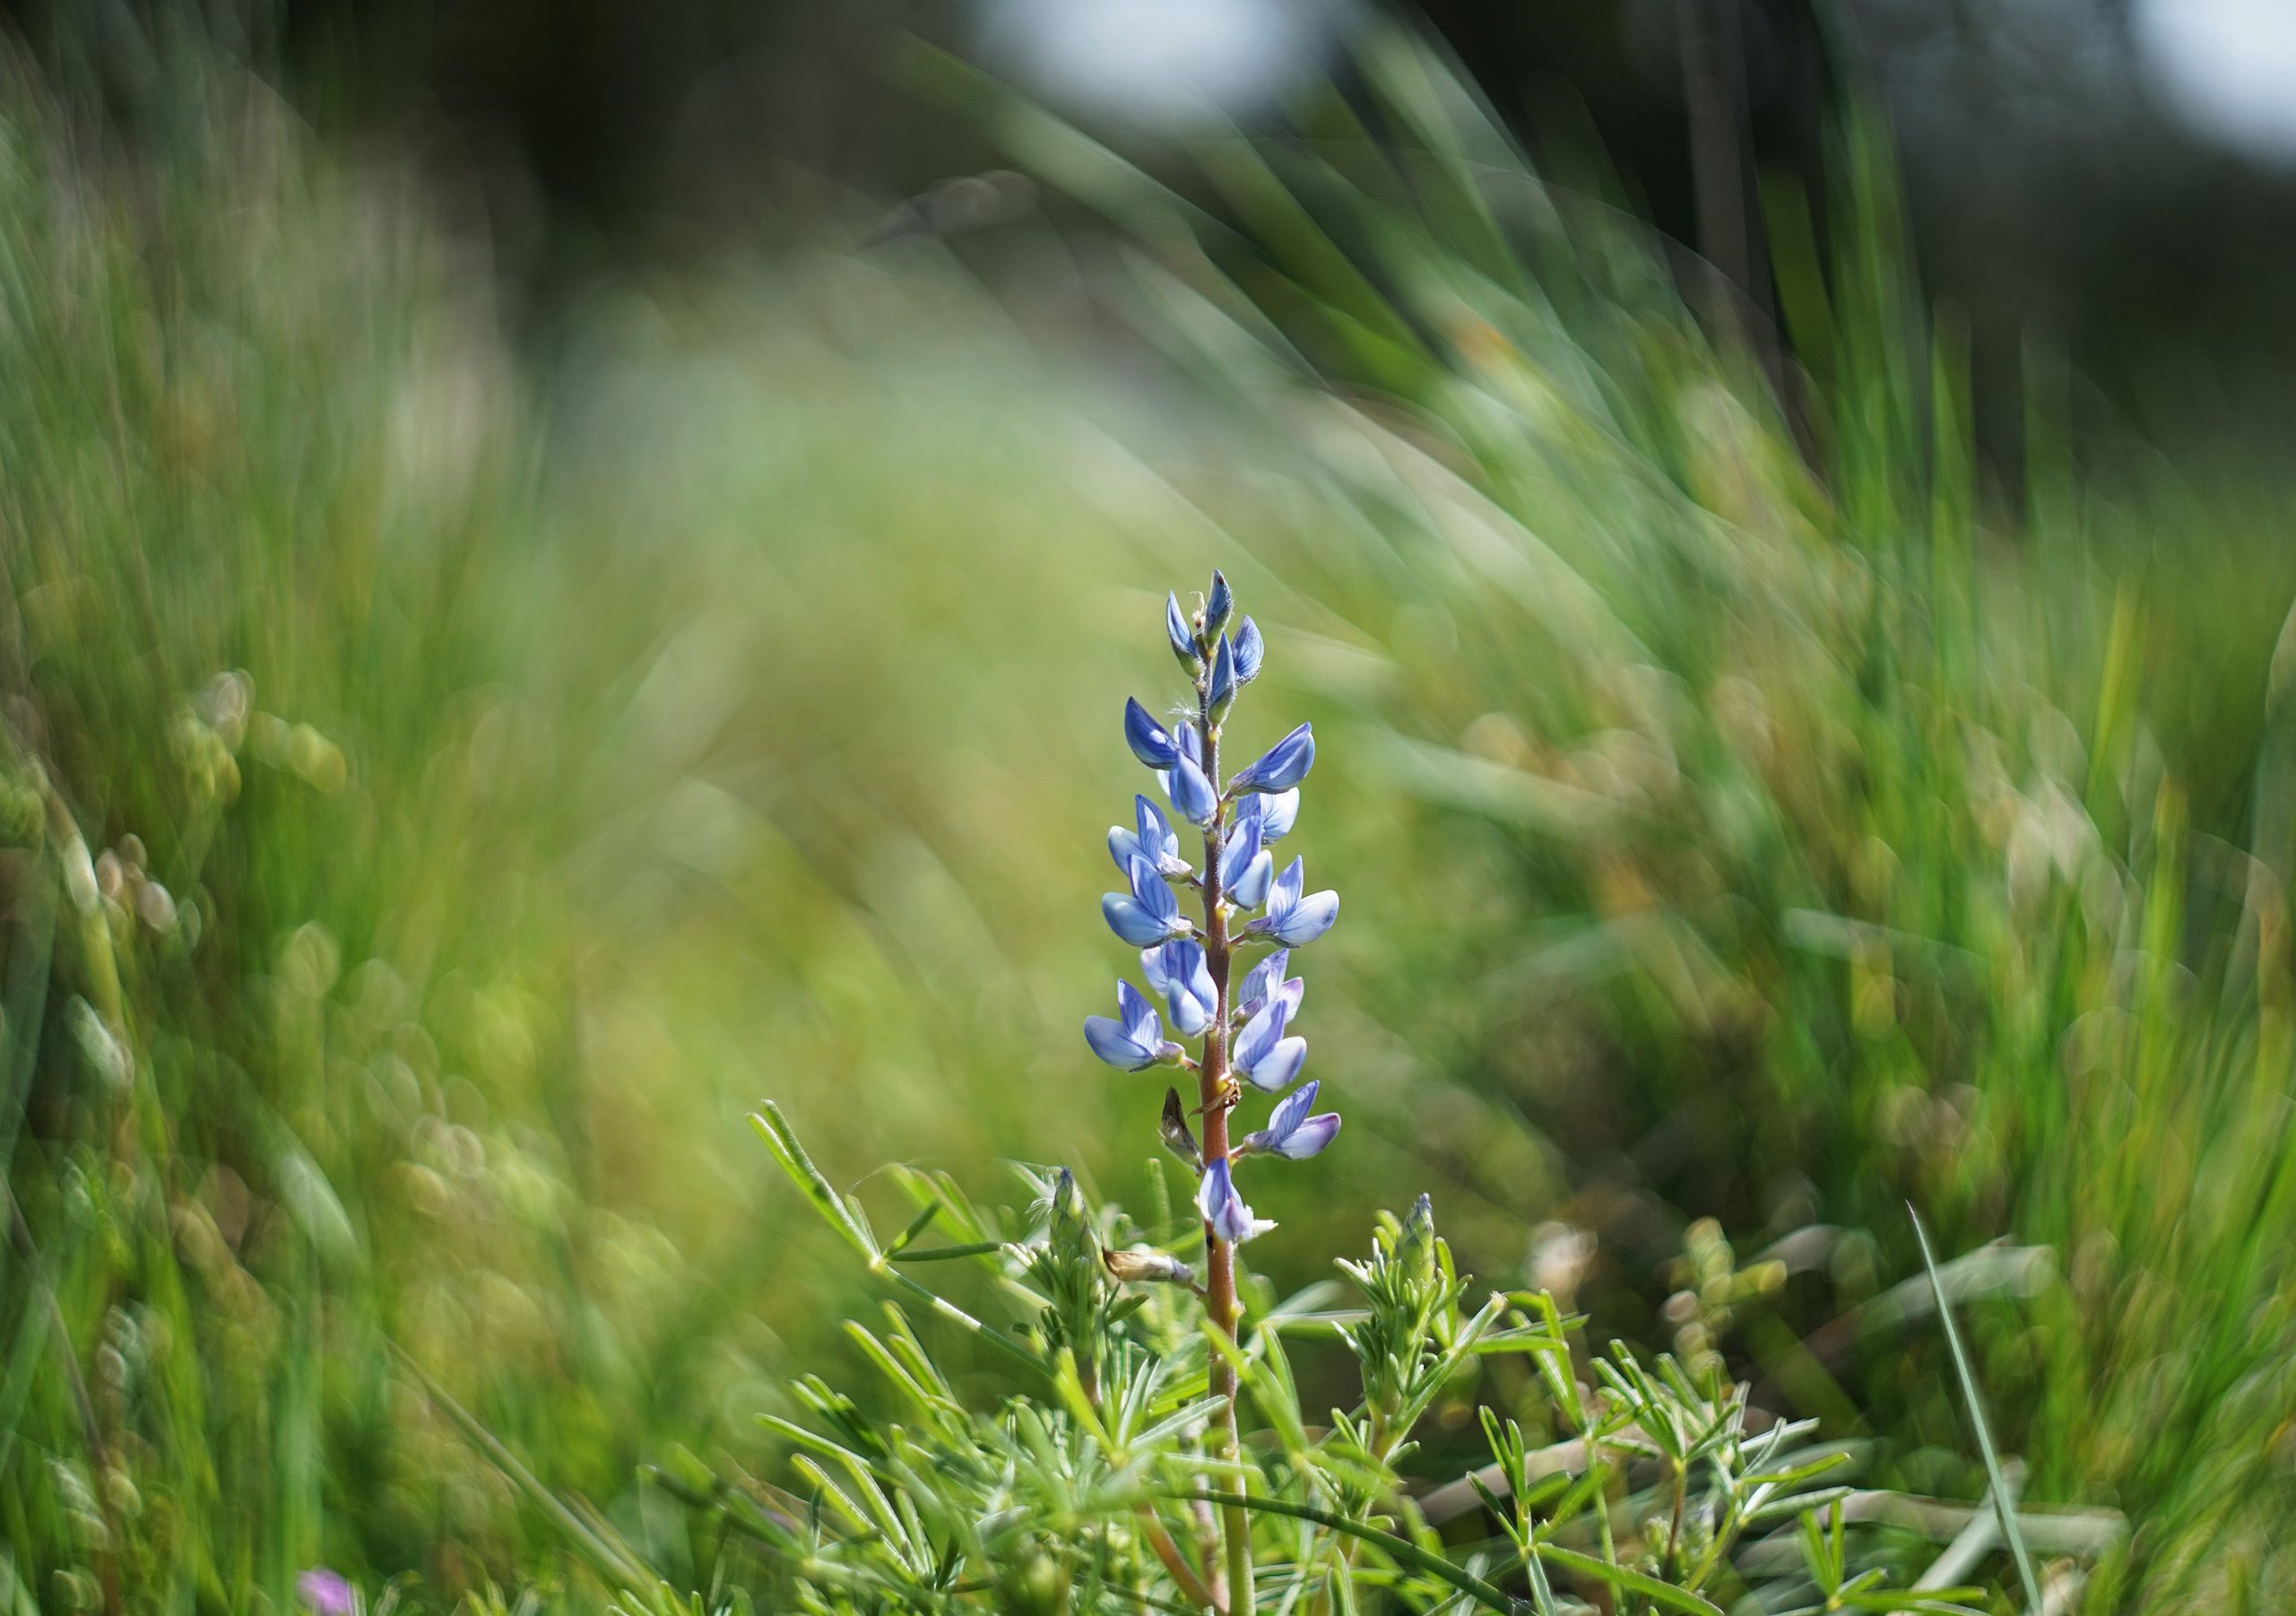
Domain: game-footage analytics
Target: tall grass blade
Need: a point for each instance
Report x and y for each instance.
(2003, 1498)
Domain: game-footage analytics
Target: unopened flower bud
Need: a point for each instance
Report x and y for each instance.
(1147, 1268)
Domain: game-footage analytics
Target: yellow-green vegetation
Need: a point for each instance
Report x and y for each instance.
(442, 798)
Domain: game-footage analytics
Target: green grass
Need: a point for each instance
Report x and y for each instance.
(730, 710)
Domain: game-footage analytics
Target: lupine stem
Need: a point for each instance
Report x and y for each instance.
(1212, 1085)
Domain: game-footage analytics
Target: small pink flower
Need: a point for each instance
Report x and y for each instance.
(324, 1592)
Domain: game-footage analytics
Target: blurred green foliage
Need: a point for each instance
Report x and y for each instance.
(442, 795)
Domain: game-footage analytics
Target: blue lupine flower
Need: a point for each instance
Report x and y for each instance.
(1221, 693)
(1250, 649)
(1291, 1131)
(1246, 871)
(1179, 972)
(1280, 767)
(1278, 812)
(1192, 793)
(1216, 606)
(1183, 994)
(1263, 1056)
(1291, 919)
(1150, 914)
(1268, 978)
(1151, 838)
(1147, 738)
(1135, 1038)
(1183, 640)
(1224, 1209)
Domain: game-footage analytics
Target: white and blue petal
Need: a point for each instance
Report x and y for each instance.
(1249, 891)
(1278, 1069)
(1278, 812)
(1224, 1210)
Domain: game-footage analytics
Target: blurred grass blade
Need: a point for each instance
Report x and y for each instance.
(2004, 1496)
(612, 1556)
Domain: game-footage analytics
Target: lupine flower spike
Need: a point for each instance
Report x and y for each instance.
(1245, 1029)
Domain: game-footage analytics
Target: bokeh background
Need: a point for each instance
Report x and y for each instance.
(571, 568)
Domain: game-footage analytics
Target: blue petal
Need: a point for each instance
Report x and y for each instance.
(1309, 1138)
(1193, 972)
(1249, 890)
(1123, 846)
(1276, 1071)
(1147, 738)
(1306, 920)
(1264, 976)
(1139, 1016)
(1188, 1016)
(1221, 695)
(1175, 629)
(1291, 1111)
(1283, 765)
(1113, 1044)
(1215, 1190)
(1217, 604)
(1250, 648)
(1235, 858)
(1159, 979)
(1130, 922)
(1278, 812)
(1285, 891)
(1153, 830)
(1224, 1209)
(1193, 794)
(1180, 973)
(1259, 1035)
(1289, 996)
(1150, 890)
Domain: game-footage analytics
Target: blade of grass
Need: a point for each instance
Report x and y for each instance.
(2004, 1500)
